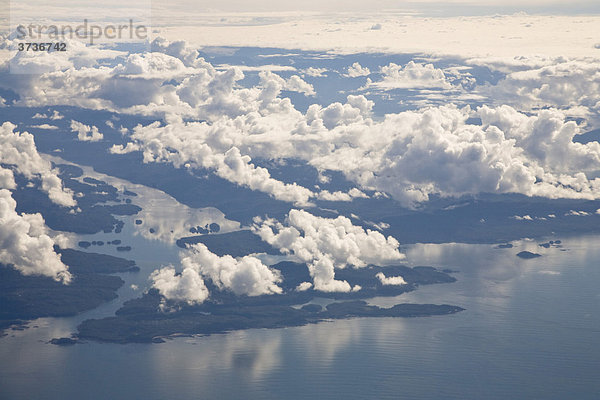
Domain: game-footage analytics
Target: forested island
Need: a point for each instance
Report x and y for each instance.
(151, 318)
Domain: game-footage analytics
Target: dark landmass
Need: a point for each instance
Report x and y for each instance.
(237, 244)
(29, 297)
(80, 262)
(63, 341)
(123, 209)
(94, 217)
(528, 255)
(123, 248)
(551, 243)
(147, 328)
(145, 320)
(505, 246)
(294, 274)
(93, 181)
(203, 230)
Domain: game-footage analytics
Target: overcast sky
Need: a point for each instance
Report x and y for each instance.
(448, 7)
(427, 7)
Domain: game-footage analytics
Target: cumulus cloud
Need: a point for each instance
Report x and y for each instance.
(7, 179)
(315, 72)
(86, 133)
(522, 218)
(409, 155)
(574, 213)
(18, 150)
(44, 126)
(570, 85)
(412, 76)
(390, 280)
(54, 116)
(25, 243)
(356, 70)
(327, 244)
(187, 286)
(178, 49)
(243, 276)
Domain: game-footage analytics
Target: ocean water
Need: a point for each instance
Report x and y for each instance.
(531, 330)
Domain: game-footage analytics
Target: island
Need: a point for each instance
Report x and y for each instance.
(528, 255)
(152, 318)
(25, 298)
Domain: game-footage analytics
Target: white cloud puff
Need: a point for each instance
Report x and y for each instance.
(25, 243)
(356, 70)
(86, 133)
(243, 276)
(327, 244)
(45, 126)
(390, 280)
(18, 150)
(187, 286)
(412, 76)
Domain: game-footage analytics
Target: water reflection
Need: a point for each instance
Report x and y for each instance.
(162, 217)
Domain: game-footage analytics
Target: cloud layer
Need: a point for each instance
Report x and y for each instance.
(409, 155)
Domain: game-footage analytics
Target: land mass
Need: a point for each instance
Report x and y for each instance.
(190, 321)
(527, 255)
(152, 317)
(28, 297)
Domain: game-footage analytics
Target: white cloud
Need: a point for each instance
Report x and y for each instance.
(243, 276)
(86, 133)
(409, 155)
(18, 150)
(7, 179)
(573, 213)
(390, 280)
(500, 35)
(45, 126)
(315, 72)
(412, 76)
(304, 286)
(356, 70)
(187, 286)
(25, 243)
(56, 116)
(547, 272)
(569, 85)
(522, 218)
(327, 244)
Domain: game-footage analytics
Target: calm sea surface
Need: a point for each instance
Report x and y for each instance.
(531, 330)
